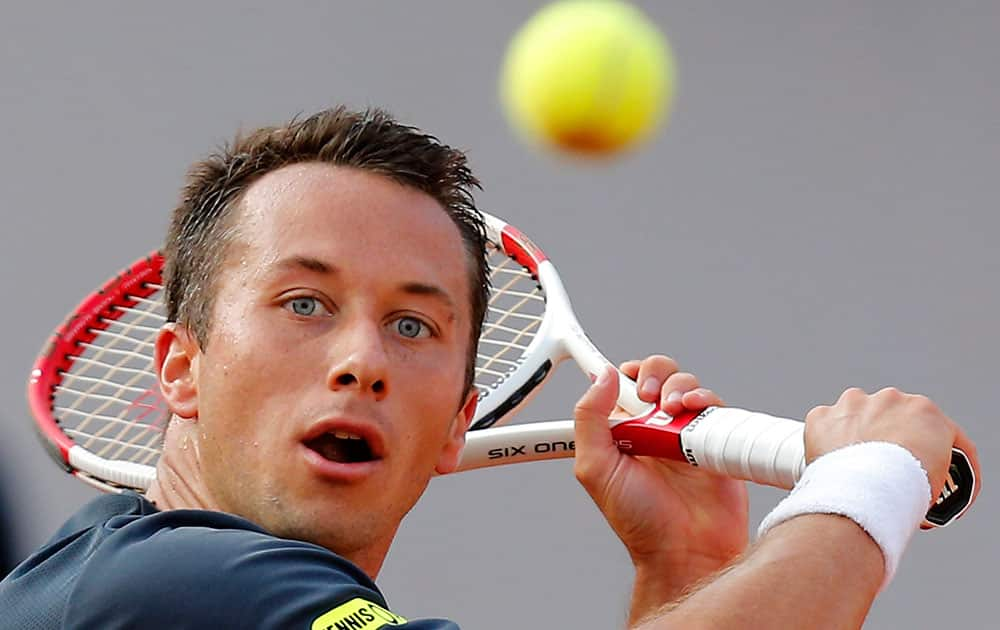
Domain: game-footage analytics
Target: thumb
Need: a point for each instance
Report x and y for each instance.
(592, 411)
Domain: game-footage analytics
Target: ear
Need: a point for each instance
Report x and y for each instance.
(448, 460)
(176, 361)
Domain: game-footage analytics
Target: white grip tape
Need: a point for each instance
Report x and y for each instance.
(123, 473)
(879, 485)
(746, 445)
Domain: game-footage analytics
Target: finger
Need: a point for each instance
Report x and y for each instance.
(674, 389)
(682, 382)
(595, 449)
(592, 411)
(630, 368)
(700, 398)
(653, 371)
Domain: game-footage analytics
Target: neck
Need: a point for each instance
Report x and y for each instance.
(177, 484)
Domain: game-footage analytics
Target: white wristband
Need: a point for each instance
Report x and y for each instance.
(879, 485)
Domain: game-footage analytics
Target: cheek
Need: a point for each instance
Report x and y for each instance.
(245, 394)
(244, 376)
(431, 390)
(254, 350)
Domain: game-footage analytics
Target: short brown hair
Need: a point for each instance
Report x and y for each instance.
(202, 225)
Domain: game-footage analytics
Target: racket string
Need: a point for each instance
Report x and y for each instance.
(148, 303)
(107, 367)
(94, 361)
(506, 345)
(152, 451)
(509, 364)
(514, 315)
(109, 420)
(90, 379)
(115, 368)
(113, 324)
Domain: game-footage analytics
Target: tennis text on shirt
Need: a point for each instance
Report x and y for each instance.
(357, 614)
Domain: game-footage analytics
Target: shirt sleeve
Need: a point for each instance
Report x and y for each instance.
(150, 577)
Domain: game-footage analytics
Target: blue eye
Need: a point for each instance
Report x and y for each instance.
(412, 328)
(305, 306)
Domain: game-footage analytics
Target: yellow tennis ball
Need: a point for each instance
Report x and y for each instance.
(588, 76)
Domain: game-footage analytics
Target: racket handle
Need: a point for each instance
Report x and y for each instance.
(761, 448)
(746, 445)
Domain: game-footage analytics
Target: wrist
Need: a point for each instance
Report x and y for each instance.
(878, 485)
(682, 566)
(666, 577)
(668, 580)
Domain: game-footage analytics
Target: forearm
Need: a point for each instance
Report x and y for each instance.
(667, 580)
(814, 571)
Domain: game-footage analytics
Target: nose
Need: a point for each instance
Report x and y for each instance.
(359, 360)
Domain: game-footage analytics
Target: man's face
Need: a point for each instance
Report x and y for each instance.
(330, 387)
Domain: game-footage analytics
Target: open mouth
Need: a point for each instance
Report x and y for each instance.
(342, 447)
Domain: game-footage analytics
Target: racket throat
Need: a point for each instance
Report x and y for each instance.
(520, 396)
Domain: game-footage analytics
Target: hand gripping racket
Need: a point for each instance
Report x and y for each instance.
(96, 400)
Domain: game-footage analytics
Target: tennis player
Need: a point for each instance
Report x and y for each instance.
(325, 285)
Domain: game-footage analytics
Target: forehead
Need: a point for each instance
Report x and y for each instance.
(331, 211)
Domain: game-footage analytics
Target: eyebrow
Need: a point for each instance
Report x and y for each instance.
(429, 290)
(322, 267)
(306, 262)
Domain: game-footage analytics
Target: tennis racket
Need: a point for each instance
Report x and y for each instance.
(97, 404)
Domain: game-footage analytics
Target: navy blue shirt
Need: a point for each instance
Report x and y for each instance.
(120, 563)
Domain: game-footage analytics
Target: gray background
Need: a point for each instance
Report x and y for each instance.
(820, 213)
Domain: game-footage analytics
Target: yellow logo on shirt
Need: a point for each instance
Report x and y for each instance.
(357, 614)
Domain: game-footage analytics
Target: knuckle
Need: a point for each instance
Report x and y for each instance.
(684, 377)
(586, 407)
(925, 404)
(890, 393)
(853, 394)
(817, 413)
(662, 364)
(583, 407)
(663, 358)
(714, 399)
(584, 472)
